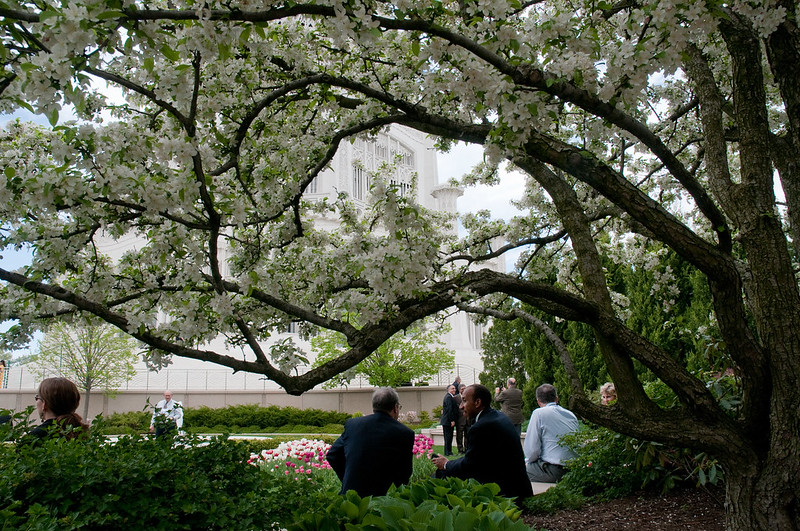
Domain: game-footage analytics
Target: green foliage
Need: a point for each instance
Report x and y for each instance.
(422, 468)
(139, 483)
(435, 504)
(414, 354)
(554, 499)
(236, 419)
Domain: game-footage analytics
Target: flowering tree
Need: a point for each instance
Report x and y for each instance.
(635, 122)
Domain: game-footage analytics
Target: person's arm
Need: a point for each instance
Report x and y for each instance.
(178, 414)
(532, 448)
(153, 418)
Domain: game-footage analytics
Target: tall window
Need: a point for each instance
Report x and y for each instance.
(360, 184)
(369, 155)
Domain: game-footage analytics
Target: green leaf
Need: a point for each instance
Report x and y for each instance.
(415, 48)
(9, 172)
(170, 53)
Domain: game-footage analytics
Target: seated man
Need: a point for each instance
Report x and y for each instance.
(544, 454)
(494, 454)
(374, 451)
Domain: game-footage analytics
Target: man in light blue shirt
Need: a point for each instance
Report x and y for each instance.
(544, 454)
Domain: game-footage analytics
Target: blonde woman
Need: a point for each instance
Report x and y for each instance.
(608, 393)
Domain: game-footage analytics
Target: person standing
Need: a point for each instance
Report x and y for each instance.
(167, 416)
(510, 399)
(461, 422)
(449, 418)
(494, 454)
(374, 451)
(544, 454)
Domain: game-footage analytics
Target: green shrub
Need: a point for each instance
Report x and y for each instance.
(554, 499)
(449, 503)
(139, 483)
(236, 419)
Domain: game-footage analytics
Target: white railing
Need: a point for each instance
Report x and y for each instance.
(20, 378)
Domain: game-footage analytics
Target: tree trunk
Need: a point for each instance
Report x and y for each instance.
(86, 404)
(764, 498)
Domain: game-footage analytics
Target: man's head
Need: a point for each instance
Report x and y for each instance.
(458, 379)
(461, 388)
(546, 394)
(387, 400)
(476, 398)
(451, 389)
(512, 383)
(168, 395)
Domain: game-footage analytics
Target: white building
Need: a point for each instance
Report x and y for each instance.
(415, 158)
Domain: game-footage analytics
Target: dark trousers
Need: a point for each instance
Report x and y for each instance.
(461, 430)
(448, 439)
(166, 429)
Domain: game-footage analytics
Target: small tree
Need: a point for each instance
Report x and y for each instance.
(93, 356)
(414, 354)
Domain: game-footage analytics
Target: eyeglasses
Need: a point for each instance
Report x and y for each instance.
(37, 397)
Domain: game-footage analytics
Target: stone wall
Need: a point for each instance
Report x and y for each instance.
(421, 398)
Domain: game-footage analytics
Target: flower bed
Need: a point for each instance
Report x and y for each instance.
(299, 457)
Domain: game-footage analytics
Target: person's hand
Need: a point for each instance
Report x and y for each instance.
(439, 461)
(152, 429)
(452, 423)
(496, 390)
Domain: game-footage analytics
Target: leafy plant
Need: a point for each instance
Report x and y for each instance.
(143, 483)
(440, 504)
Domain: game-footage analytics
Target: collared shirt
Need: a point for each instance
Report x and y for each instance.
(171, 409)
(547, 426)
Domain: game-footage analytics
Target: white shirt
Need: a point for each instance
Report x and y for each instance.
(171, 409)
(547, 426)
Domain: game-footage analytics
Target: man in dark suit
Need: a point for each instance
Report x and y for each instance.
(494, 454)
(449, 418)
(374, 451)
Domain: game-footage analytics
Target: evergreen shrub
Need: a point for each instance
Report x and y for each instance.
(141, 483)
(236, 419)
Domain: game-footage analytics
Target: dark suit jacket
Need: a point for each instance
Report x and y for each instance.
(449, 410)
(372, 453)
(494, 455)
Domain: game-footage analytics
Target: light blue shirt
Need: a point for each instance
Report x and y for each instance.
(547, 426)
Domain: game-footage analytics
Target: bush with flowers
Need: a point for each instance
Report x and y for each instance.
(300, 459)
(422, 467)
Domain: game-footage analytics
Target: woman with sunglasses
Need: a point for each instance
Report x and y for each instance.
(56, 402)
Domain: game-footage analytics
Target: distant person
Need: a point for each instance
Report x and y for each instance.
(56, 402)
(449, 418)
(457, 384)
(510, 399)
(3, 367)
(494, 454)
(544, 454)
(374, 451)
(167, 417)
(461, 422)
(608, 393)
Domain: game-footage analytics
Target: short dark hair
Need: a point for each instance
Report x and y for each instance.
(481, 392)
(384, 399)
(546, 393)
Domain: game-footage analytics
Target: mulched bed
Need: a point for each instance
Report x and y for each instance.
(697, 509)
